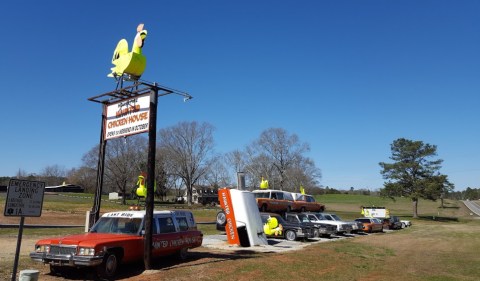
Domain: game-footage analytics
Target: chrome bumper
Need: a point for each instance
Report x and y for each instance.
(66, 260)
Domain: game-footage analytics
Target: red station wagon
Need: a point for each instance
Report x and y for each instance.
(117, 238)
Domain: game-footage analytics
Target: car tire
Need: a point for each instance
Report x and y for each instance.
(302, 210)
(290, 235)
(182, 254)
(263, 208)
(221, 218)
(109, 266)
(56, 270)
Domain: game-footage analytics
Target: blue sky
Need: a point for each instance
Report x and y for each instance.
(348, 77)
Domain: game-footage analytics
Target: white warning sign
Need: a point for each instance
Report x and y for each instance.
(24, 198)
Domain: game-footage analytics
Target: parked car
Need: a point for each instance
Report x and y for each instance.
(393, 222)
(306, 203)
(276, 227)
(276, 201)
(356, 226)
(371, 224)
(341, 227)
(406, 223)
(118, 238)
(320, 229)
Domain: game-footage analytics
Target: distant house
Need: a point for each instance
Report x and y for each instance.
(202, 195)
(65, 188)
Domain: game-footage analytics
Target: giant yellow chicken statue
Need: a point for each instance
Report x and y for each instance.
(142, 186)
(132, 63)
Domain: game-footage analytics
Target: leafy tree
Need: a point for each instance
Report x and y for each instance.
(412, 174)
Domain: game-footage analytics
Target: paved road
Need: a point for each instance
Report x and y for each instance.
(474, 206)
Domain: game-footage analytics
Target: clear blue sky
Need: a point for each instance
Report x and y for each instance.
(348, 77)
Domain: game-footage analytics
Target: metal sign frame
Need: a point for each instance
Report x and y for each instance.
(137, 89)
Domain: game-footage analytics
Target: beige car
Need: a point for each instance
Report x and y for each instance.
(306, 203)
(276, 201)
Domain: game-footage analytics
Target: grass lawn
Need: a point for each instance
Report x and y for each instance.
(441, 245)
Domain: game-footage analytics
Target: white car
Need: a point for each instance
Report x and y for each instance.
(356, 226)
(406, 223)
(342, 227)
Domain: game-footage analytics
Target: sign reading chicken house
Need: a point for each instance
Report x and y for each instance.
(128, 117)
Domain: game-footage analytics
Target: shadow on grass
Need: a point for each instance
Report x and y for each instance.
(194, 259)
(438, 218)
(449, 207)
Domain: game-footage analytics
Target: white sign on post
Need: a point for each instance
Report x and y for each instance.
(24, 198)
(128, 117)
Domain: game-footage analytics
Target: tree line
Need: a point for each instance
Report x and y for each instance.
(185, 158)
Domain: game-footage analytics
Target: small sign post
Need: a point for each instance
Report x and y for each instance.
(24, 199)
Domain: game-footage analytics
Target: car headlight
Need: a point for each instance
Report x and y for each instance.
(86, 251)
(42, 248)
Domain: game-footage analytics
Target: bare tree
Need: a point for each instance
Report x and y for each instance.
(217, 175)
(279, 156)
(190, 146)
(83, 176)
(124, 160)
(236, 159)
(53, 175)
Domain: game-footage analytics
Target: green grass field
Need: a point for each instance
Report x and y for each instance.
(441, 245)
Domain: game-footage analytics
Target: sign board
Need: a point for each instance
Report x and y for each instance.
(231, 224)
(24, 198)
(127, 117)
(375, 212)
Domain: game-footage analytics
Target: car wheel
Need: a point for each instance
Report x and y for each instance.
(182, 254)
(109, 266)
(302, 210)
(289, 209)
(290, 235)
(221, 218)
(263, 208)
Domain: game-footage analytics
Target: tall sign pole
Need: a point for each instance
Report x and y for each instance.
(149, 204)
(127, 111)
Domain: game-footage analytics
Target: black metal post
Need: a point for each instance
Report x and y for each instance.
(149, 200)
(17, 253)
(95, 214)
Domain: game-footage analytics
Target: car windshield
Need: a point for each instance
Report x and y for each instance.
(312, 217)
(320, 216)
(279, 219)
(337, 218)
(261, 194)
(117, 225)
(303, 218)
